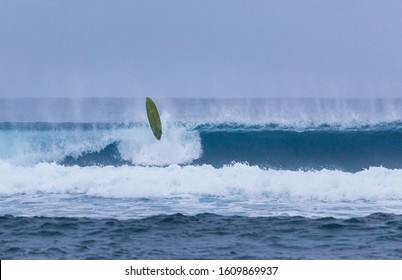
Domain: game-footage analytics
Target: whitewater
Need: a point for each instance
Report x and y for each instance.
(218, 159)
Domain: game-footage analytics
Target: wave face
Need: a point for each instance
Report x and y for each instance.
(350, 150)
(252, 157)
(102, 144)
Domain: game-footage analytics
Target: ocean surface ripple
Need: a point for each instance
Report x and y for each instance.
(203, 236)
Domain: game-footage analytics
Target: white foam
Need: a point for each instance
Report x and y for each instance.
(126, 192)
(136, 144)
(238, 180)
(177, 146)
(31, 147)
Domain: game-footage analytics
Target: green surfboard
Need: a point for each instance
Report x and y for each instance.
(153, 118)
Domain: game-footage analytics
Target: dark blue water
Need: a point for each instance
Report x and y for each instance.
(203, 236)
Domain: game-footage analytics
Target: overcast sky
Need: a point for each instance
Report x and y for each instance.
(205, 48)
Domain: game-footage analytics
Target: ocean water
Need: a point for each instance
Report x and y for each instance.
(230, 179)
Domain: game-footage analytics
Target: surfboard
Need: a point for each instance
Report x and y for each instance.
(153, 118)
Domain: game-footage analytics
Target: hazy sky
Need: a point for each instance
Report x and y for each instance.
(205, 48)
